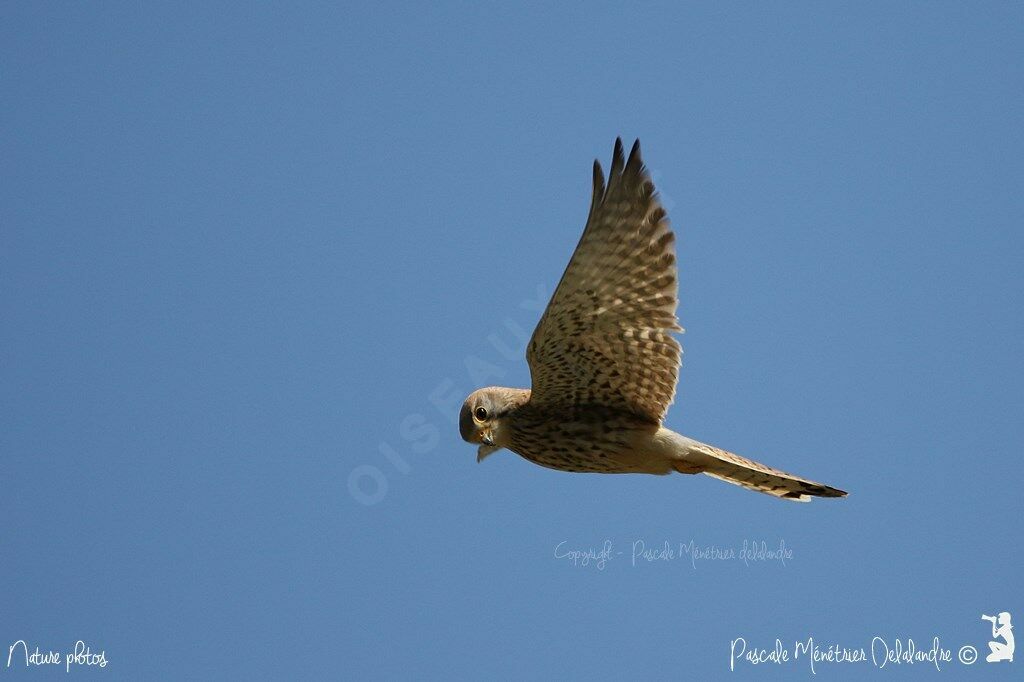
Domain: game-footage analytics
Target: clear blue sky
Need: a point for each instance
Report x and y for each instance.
(245, 250)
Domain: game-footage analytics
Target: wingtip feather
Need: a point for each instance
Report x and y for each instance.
(618, 160)
(598, 179)
(634, 153)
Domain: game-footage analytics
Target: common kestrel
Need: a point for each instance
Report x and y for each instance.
(603, 360)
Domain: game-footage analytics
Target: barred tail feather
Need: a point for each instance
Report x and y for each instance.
(731, 468)
(697, 457)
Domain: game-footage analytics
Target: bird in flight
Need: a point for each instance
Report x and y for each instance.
(603, 361)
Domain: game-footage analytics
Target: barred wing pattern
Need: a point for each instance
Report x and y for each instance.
(606, 336)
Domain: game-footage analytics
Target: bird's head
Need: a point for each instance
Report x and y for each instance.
(484, 417)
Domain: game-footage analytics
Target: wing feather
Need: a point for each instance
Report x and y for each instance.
(606, 335)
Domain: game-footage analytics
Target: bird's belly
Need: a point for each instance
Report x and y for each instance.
(585, 449)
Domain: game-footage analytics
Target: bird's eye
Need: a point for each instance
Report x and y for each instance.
(480, 413)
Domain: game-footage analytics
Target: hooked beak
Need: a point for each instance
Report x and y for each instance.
(485, 451)
(486, 439)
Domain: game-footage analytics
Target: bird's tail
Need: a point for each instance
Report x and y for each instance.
(729, 467)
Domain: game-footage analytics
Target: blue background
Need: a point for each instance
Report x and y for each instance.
(252, 257)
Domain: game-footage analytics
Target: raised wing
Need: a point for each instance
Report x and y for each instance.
(605, 337)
